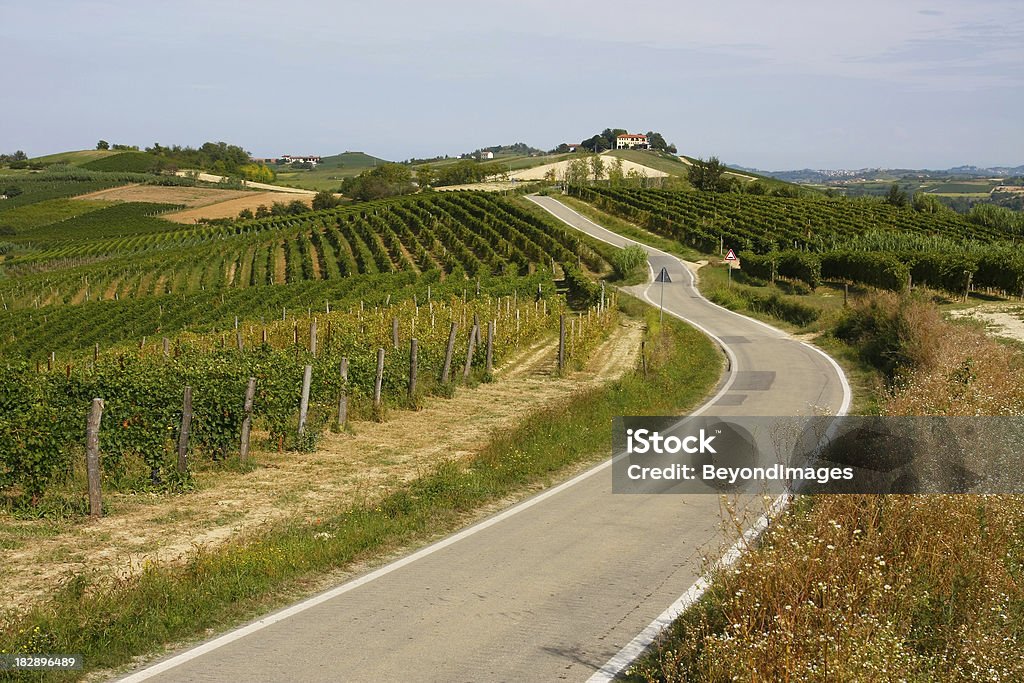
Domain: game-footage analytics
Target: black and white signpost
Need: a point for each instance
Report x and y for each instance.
(663, 278)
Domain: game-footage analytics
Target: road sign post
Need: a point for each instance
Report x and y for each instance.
(663, 278)
(730, 258)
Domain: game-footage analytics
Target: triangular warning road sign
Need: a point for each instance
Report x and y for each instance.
(663, 275)
(731, 256)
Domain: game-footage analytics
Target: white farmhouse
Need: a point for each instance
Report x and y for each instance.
(627, 141)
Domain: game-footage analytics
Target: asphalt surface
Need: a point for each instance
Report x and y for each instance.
(549, 590)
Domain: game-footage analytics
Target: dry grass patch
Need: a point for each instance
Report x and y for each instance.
(879, 588)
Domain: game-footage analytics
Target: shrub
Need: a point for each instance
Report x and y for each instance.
(629, 261)
(800, 265)
(894, 332)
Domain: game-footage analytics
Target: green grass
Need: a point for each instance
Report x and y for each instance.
(127, 162)
(77, 158)
(110, 623)
(350, 160)
(30, 216)
(960, 187)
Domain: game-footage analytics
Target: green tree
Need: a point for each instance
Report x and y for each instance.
(245, 214)
(325, 200)
(596, 144)
(708, 176)
(656, 141)
(386, 180)
(260, 173)
(610, 134)
(426, 176)
(896, 196)
(577, 171)
(103, 144)
(636, 177)
(597, 167)
(262, 211)
(927, 203)
(616, 174)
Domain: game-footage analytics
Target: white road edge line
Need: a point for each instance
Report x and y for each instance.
(276, 617)
(634, 648)
(237, 634)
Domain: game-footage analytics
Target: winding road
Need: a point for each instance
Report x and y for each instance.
(567, 585)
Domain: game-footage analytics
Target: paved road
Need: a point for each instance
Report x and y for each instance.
(549, 590)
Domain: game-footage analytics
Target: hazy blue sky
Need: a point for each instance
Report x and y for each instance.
(775, 85)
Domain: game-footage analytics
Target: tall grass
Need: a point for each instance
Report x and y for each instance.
(878, 588)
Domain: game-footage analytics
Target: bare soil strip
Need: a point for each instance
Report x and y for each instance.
(1001, 320)
(232, 206)
(347, 469)
(186, 196)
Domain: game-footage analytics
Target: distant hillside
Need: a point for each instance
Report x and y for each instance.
(76, 158)
(515, 149)
(818, 176)
(350, 160)
(128, 162)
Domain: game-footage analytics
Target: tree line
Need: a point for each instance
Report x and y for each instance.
(605, 140)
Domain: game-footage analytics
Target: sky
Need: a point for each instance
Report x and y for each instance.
(773, 85)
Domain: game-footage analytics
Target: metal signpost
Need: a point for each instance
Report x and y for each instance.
(730, 258)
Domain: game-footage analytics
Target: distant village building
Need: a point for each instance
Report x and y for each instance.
(486, 155)
(573, 146)
(289, 159)
(627, 141)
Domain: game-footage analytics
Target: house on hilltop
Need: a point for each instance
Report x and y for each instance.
(289, 159)
(627, 141)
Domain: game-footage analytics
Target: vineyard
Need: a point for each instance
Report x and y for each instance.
(330, 315)
(811, 239)
(461, 234)
(43, 409)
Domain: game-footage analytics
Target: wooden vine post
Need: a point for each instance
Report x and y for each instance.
(92, 457)
(379, 380)
(343, 397)
(186, 428)
(250, 396)
(307, 378)
(446, 370)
